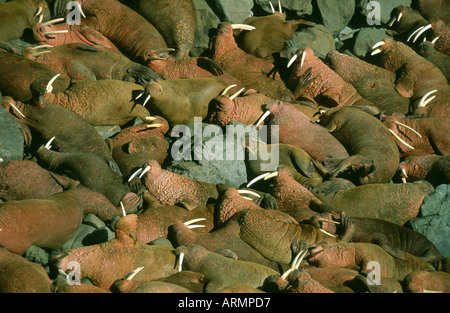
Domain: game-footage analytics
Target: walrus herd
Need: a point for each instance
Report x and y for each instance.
(356, 145)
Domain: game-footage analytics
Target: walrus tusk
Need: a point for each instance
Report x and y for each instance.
(140, 95)
(271, 7)
(134, 174)
(195, 220)
(123, 209)
(401, 140)
(56, 32)
(180, 266)
(328, 221)
(399, 16)
(39, 11)
(414, 32)
(424, 101)
(254, 180)
(273, 174)
(432, 291)
(303, 59)
(42, 46)
(1, 160)
(292, 60)
(262, 118)
(378, 44)
(374, 52)
(237, 93)
(241, 191)
(56, 20)
(242, 26)
(327, 233)
(147, 168)
(49, 87)
(146, 100)
(150, 118)
(16, 109)
(134, 273)
(48, 144)
(410, 128)
(154, 125)
(81, 10)
(295, 263)
(41, 17)
(279, 6)
(392, 21)
(422, 31)
(404, 180)
(434, 40)
(227, 89)
(39, 53)
(404, 173)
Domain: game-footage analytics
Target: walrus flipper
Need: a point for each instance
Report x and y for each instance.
(381, 240)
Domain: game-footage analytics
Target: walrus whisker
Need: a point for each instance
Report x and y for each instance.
(271, 7)
(227, 89)
(237, 93)
(413, 33)
(327, 233)
(53, 32)
(262, 118)
(147, 168)
(254, 180)
(273, 174)
(38, 11)
(410, 128)
(48, 144)
(422, 31)
(146, 100)
(16, 109)
(56, 20)
(242, 26)
(434, 40)
(241, 191)
(194, 221)
(400, 139)
(49, 86)
(123, 209)
(134, 174)
(134, 273)
(180, 265)
(292, 60)
(39, 53)
(422, 102)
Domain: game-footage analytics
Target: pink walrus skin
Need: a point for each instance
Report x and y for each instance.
(46, 223)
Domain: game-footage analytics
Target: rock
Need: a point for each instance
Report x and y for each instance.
(234, 12)
(366, 38)
(300, 7)
(336, 14)
(207, 21)
(216, 158)
(11, 137)
(317, 38)
(386, 7)
(434, 219)
(38, 255)
(92, 220)
(107, 131)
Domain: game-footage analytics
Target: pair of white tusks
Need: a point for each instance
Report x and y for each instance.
(410, 128)
(400, 139)
(295, 58)
(49, 87)
(375, 46)
(295, 263)
(264, 176)
(249, 192)
(237, 93)
(399, 17)
(188, 223)
(279, 7)
(425, 100)
(418, 32)
(242, 26)
(146, 99)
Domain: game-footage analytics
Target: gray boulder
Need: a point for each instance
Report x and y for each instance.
(300, 7)
(434, 219)
(11, 137)
(317, 38)
(336, 14)
(232, 11)
(207, 21)
(366, 38)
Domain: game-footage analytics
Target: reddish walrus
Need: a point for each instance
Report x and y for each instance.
(78, 61)
(253, 72)
(46, 223)
(374, 155)
(105, 263)
(176, 21)
(129, 31)
(18, 15)
(418, 79)
(18, 275)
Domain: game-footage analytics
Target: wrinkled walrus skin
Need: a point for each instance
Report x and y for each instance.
(46, 223)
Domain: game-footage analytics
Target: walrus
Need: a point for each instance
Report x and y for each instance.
(18, 15)
(78, 61)
(176, 21)
(432, 168)
(46, 223)
(442, 61)
(374, 155)
(427, 282)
